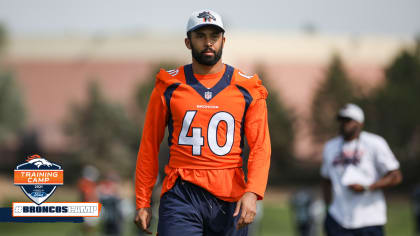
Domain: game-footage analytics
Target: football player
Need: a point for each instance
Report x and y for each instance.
(209, 108)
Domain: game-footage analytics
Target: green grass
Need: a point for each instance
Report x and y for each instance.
(39, 229)
(55, 229)
(400, 219)
(276, 221)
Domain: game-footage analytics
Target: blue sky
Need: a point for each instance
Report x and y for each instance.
(389, 17)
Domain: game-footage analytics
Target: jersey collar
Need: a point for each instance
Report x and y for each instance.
(208, 93)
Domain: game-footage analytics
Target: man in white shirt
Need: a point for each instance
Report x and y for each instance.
(356, 166)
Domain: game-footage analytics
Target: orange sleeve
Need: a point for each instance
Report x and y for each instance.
(258, 137)
(147, 157)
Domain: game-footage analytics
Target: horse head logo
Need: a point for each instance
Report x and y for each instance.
(207, 17)
(38, 161)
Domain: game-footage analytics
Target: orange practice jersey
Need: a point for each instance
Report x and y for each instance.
(207, 127)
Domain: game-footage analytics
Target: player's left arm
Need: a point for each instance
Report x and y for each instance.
(258, 137)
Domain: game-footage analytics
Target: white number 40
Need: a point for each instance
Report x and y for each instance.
(196, 140)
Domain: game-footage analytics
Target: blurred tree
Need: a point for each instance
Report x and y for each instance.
(102, 134)
(29, 144)
(11, 105)
(280, 121)
(12, 120)
(3, 38)
(335, 91)
(12, 112)
(393, 110)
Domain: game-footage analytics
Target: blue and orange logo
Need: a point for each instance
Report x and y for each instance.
(38, 178)
(207, 17)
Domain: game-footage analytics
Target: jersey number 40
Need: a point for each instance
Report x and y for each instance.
(196, 139)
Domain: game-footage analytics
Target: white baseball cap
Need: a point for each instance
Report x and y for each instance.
(204, 17)
(352, 111)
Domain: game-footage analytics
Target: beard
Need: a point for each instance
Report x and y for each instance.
(203, 59)
(349, 133)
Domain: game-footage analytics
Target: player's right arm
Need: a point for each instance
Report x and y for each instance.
(147, 166)
(147, 157)
(142, 219)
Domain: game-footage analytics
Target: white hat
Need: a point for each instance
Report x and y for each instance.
(352, 111)
(202, 18)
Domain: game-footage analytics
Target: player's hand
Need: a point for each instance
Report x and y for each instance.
(247, 205)
(142, 219)
(357, 188)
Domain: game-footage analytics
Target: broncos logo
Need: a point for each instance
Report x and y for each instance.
(207, 17)
(38, 161)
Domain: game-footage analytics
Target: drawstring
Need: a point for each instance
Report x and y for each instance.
(220, 208)
(217, 204)
(208, 202)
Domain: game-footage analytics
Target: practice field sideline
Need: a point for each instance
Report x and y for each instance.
(276, 221)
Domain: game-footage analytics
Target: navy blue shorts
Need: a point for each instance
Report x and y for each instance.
(187, 209)
(332, 228)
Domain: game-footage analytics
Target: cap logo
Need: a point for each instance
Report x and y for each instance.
(207, 17)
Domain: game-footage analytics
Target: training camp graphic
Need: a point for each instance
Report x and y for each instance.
(39, 178)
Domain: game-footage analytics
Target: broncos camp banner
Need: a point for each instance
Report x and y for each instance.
(38, 178)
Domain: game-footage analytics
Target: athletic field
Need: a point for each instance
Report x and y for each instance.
(277, 220)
